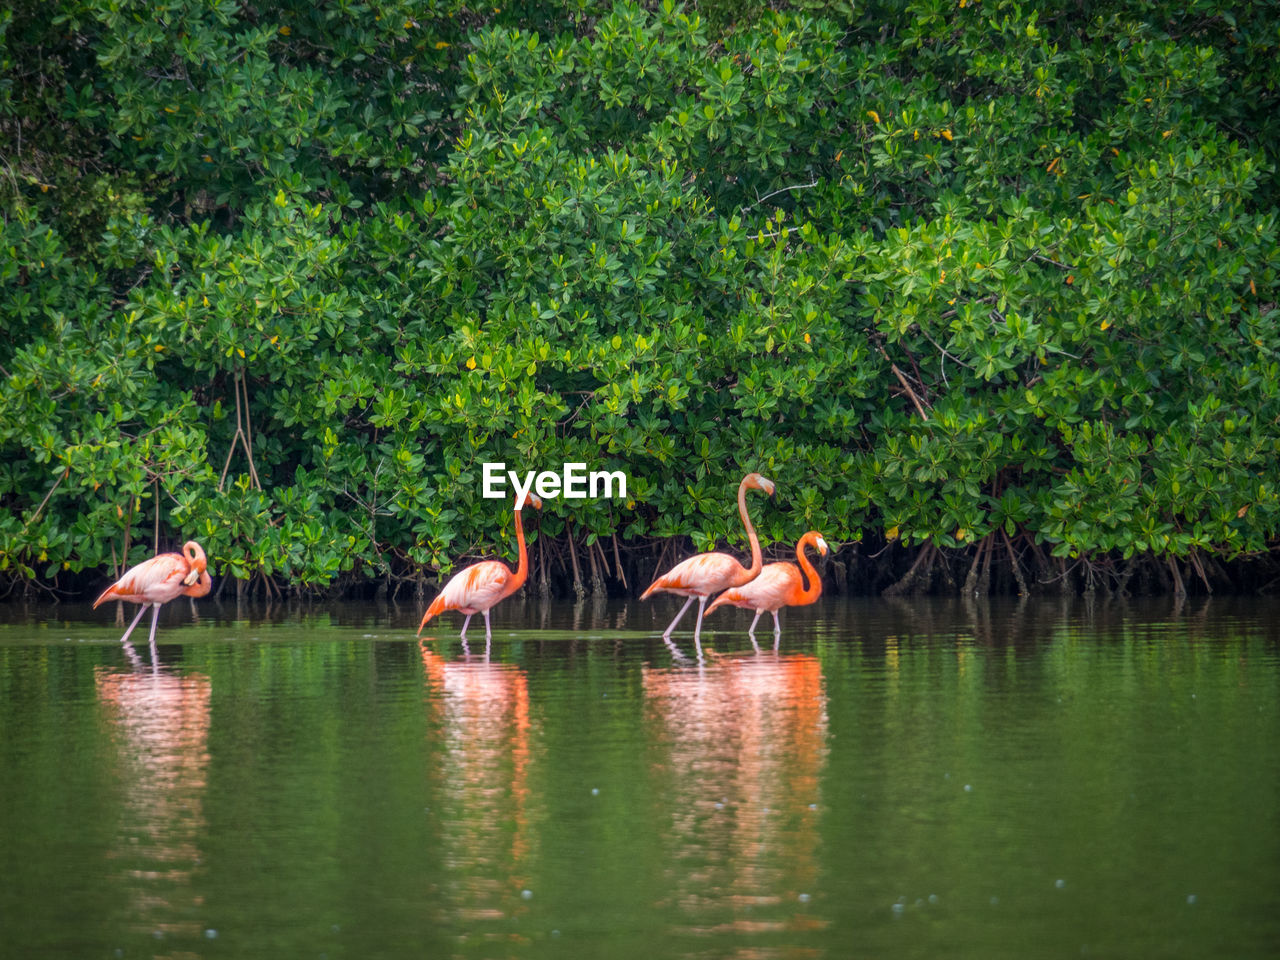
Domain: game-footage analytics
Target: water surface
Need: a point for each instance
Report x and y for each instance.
(920, 779)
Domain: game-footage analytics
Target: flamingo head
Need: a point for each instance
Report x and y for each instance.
(195, 556)
(757, 482)
(530, 499)
(820, 544)
(202, 586)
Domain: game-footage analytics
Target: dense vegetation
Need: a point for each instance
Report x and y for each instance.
(990, 292)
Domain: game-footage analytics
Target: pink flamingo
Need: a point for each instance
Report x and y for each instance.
(708, 573)
(476, 588)
(779, 585)
(158, 580)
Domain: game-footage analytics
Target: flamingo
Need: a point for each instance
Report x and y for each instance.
(157, 581)
(779, 585)
(478, 587)
(708, 573)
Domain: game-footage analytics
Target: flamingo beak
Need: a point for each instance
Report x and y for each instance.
(767, 486)
(191, 577)
(822, 546)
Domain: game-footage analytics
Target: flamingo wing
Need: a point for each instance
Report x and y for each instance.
(474, 589)
(157, 580)
(699, 576)
(772, 590)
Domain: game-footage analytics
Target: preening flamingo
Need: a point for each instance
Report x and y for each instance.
(708, 573)
(158, 580)
(478, 587)
(779, 585)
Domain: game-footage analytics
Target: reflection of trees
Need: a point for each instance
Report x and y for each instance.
(163, 726)
(743, 743)
(481, 710)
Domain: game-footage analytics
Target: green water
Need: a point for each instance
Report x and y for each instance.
(914, 780)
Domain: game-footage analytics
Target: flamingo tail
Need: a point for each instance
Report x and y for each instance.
(107, 594)
(437, 607)
(729, 596)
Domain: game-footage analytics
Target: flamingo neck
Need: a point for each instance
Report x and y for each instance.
(522, 566)
(810, 573)
(757, 562)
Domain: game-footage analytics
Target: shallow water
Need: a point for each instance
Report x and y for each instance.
(920, 779)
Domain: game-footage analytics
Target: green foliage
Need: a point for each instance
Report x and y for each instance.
(283, 276)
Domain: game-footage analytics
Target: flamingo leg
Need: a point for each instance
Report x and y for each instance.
(463, 635)
(488, 633)
(666, 634)
(751, 630)
(777, 630)
(155, 618)
(141, 610)
(697, 630)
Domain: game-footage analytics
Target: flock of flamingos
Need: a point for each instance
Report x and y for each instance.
(479, 587)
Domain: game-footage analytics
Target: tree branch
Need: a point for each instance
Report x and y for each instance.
(774, 193)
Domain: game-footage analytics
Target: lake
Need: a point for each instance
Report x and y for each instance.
(921, 778)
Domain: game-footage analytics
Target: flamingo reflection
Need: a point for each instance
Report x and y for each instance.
(742, 746)
(162, 729)
(481, 709)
